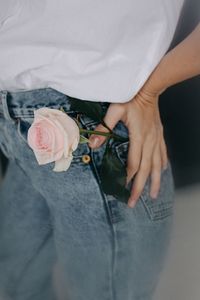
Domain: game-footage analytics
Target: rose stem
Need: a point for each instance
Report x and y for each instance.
(104, 134)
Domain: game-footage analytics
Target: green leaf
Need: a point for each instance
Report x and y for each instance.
(113, 176)
(83, 139)
(90, 108)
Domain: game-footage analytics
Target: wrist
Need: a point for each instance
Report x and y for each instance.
(146, 97)
(150, 91)
(156, 84)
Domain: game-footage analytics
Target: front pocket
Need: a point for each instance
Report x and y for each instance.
(121, 150)
(161, 207)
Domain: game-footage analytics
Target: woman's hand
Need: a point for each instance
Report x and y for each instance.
(147, 150)
(147, 153)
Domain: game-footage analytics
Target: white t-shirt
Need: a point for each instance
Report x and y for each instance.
(93, 50)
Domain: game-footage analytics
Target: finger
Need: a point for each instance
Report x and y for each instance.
(156, 172)
(142, 174)
(96, 140)
(113, 115)
(164, 155)
(134, 157)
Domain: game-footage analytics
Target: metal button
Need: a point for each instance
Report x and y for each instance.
(86, 158)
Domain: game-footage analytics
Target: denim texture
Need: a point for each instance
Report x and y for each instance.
(104, 249)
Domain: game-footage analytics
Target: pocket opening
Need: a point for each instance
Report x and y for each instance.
(121, 150)
(162, 207)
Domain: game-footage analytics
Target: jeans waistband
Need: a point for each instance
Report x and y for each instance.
(14, 105)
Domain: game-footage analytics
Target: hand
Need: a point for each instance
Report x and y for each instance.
(147, 153)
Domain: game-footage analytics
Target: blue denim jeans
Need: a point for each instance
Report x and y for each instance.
(104, 250)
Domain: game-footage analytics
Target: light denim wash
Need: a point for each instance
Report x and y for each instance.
(104, 249)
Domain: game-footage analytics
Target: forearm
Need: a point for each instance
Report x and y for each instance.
(179, 64)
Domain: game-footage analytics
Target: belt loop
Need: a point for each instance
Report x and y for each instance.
(4, 102)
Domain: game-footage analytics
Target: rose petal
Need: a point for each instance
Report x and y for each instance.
(71, 128)
(75, 144)
(65, 137)
(56, 136)
(62, 164)
(46, 136)
(43, 157)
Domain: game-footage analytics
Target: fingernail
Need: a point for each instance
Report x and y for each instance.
(131, 203)
(94, 141)
(154, 195)
(165, 167)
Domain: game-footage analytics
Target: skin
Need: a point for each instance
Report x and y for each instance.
(147, 154)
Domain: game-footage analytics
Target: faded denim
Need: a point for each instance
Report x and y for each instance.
(104, 249)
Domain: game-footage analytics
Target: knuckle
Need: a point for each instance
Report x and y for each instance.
(165, 165)
(153, 130)
(131, 172)
(135, 192)
(156, 165)
(162, 138)
(165, 157)
(134, 165)
(151, 137)
(144, 168)
(161, 129)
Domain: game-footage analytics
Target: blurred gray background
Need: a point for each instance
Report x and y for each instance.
(180, 111)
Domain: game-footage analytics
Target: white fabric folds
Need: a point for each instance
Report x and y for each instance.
(93, 50)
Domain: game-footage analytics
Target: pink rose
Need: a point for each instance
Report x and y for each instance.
(53, 136)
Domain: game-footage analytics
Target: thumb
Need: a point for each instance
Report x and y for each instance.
(113, 115)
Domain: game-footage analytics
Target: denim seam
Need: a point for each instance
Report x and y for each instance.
(94, 171)
(155, 213)
(112, 217)
(5, 107)
(115, 214)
